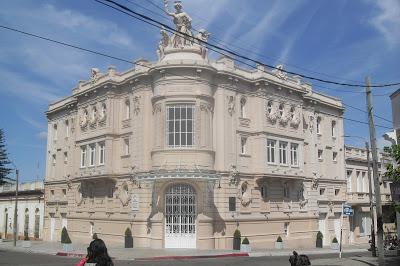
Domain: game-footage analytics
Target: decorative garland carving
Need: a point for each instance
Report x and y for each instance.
(206, 107)
(93, 118)
(78, 195)
(156, 108)
(231, 104)
(123, 194)
(284, 119)
(103, 112)
(273, 115)
(295, 119)
(136, 105)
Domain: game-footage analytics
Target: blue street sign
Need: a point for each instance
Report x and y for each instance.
(347, 210)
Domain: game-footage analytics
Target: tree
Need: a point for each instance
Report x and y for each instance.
(4, 161)
(393, 169)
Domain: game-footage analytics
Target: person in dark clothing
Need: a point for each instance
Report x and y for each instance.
(97, 254)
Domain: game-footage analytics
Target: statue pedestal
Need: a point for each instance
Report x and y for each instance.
(194, 52)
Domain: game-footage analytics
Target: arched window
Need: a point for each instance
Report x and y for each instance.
(263, 191)
(319, 125)
(26, 224)
(286, 192)
(243, 107)
(292, 110)
(281, 107)
(94, 113)
(269, 107)
(37, 223)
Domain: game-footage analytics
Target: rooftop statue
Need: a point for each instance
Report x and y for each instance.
(183, 25)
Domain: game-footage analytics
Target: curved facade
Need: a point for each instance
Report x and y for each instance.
(185, 150)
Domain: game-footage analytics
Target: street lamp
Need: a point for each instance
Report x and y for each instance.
(371, 205)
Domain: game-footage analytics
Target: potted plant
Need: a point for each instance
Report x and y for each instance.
(318, 242)
(94, 236)
(128, 238)
(335, 244)
(279, 243)
(65, 240)
(236, 239)
(27, 242)
(245, 247)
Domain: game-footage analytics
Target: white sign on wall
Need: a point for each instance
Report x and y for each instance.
(135, 202)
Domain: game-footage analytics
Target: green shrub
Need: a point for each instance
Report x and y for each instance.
(334, 240)
(237, 234)
(94, 236)
(245, 241)
(320, 235)
(65, 237)
(26, 236)
(0, 235)
(128, 232)
(279, 239)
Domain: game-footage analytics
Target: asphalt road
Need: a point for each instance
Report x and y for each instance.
(21, 259)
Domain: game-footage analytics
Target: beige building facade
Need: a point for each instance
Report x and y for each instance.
(185, 150)
(358, 188)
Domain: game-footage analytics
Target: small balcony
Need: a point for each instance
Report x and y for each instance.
(355, 198)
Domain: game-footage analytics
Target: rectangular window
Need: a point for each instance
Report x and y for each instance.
(92, 155)
(349, 181)
(334, 156)
(294, 154)
(67, 128)
(126, 147)
(64, 191)
(55, 132)
(364, 181)
(359, 182)
(337, 190)
(65, 157)
(243, 144)
(283, 152)
(127, 109)
(232, 204)
(318, 125)
(101, 153)
(322, 191)
(333, 129)
(180, 125)
(271, 150)
(54, 159)
(320, 155)
(83, 156)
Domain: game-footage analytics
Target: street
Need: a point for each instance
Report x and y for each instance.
(22, 259)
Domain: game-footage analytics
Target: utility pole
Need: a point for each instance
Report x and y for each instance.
(372, 134)
(16, 207)
(371, 203)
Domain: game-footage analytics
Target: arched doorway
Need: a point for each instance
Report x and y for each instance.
(180, 216)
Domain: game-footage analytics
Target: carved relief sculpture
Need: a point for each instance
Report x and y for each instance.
(78, 195)
(94, 75)
(231, 104)
(156, 108)
(244, 194)
(272, 112)
(84, 118)
(295, 118)
(93, 118)
(284, 115)
(103, 112)
(123, 194)
(164, 42)
(203, 36)
(136, 105)
(279, 72)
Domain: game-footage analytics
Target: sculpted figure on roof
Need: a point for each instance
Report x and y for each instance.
(183, 24)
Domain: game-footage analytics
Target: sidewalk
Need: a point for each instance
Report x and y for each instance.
(120, 253)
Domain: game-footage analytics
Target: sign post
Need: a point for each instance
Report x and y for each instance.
(348, 211)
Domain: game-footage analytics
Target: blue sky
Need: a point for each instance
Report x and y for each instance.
(342, 40)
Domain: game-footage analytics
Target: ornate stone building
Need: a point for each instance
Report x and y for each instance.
(185, 150)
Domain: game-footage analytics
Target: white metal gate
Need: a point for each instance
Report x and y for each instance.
(180, 217)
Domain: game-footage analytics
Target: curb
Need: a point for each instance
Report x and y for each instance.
(242, 254)
(69, 254)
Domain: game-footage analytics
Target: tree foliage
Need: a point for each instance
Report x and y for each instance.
(393, 169)
(65, 237)
(4, 161)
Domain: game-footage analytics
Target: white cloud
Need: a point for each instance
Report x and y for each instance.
(387, 21)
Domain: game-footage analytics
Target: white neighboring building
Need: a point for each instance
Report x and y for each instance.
(30, 205)
(395, 97)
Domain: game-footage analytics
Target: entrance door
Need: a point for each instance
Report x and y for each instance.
(180, 217)
(321, 227)
(52, 225)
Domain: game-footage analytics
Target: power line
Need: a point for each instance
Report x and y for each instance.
(366, 123)
(361, 110)
(143, 65)
(217, 48)
(222, 42)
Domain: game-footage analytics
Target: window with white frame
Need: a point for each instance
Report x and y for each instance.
(67, 128)
(55, 132)
(320, 155)
(65, 157)
(364, 181)
(126, 147)
(180, 125)
(283, 152)
(92, 155)
(243, 107)
(286, 228)
(102, 154)
(334, 156)
(318, 125)
(271, 146)
(365, 224)
(294, 154)
(333, 129)
(83, 156)
(127, 109)
(243, 145)
(349, 180)
(360, 184)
